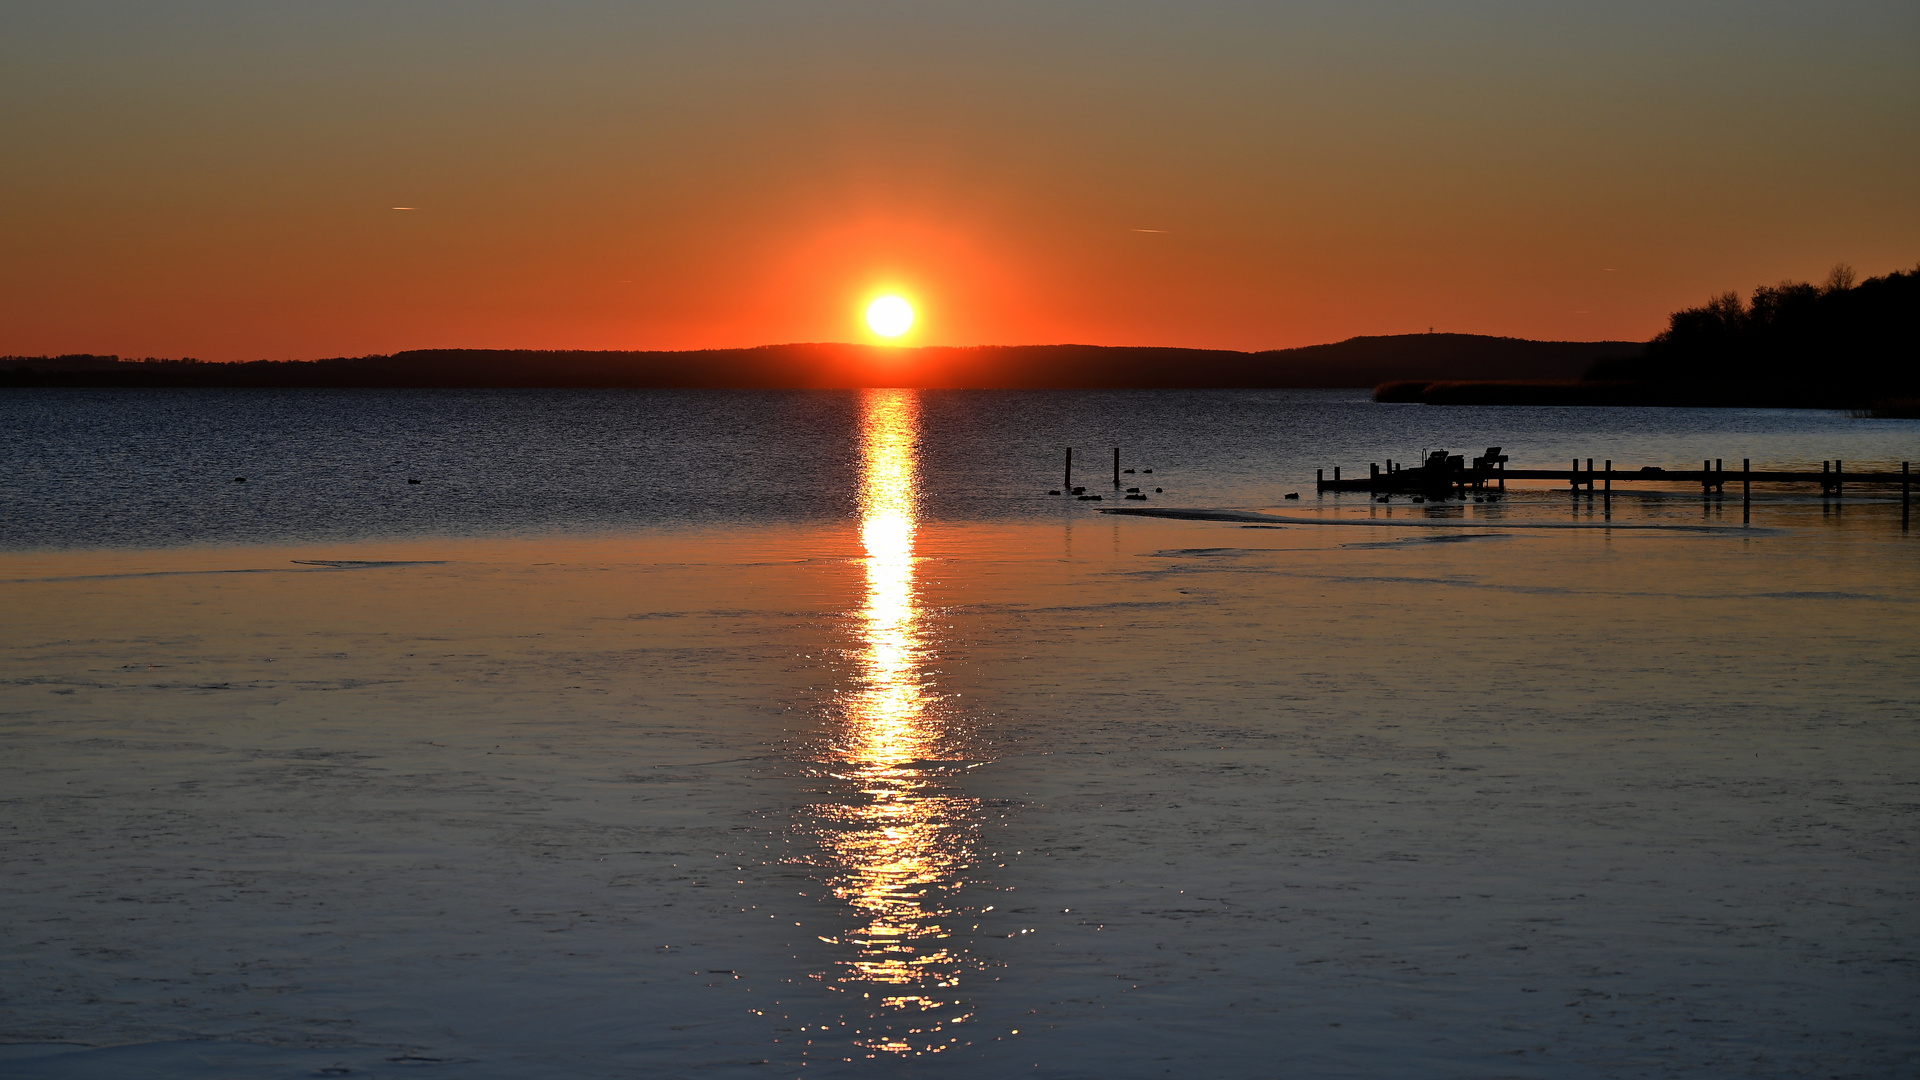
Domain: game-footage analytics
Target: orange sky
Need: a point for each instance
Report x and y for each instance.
(217, 179)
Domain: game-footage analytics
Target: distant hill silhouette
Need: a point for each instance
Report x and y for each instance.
(1356, 362)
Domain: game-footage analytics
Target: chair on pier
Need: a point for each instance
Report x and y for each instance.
(1487, 462)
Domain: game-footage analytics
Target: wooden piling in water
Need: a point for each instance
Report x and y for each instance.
(1116, 466)
(1746, 491)
(1839, 485)
(1906, 496)
(1607, 498)
(1067, 483)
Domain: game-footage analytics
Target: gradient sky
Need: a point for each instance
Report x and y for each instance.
(217, 179)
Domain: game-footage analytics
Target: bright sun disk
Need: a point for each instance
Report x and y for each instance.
(890, 316)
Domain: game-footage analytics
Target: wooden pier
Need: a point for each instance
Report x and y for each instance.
(1445, 475)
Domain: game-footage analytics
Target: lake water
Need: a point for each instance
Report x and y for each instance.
(803, 734)
(148, 469)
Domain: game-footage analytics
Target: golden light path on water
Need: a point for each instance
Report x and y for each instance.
(898, 836)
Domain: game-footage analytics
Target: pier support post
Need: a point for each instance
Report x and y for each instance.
(1336, 474)
(1116, 466)
(1573, 477)
(1839, 485)
(1608, 497)
(1067, 485)
(1906, 496)
(1373, 476)
(1319, 480)
(1589, 475)
(1746, 491)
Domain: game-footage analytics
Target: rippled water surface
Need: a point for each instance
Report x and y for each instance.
(154, 468)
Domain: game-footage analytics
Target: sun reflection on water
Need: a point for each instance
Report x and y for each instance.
(897, 835)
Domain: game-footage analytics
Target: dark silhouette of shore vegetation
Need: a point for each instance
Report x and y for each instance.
(1837, 345)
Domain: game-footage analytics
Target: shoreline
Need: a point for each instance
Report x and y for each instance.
(1622, 394)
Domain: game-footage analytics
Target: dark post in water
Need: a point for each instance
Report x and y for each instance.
(1067, 484)
(1116, 466)
(1746, 491)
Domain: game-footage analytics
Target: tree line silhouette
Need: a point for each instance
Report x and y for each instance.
(1838, 345)
(1854, 339)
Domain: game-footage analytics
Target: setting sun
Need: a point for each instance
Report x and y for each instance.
(890, 316)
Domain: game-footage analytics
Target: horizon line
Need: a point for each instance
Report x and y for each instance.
(874, 345)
